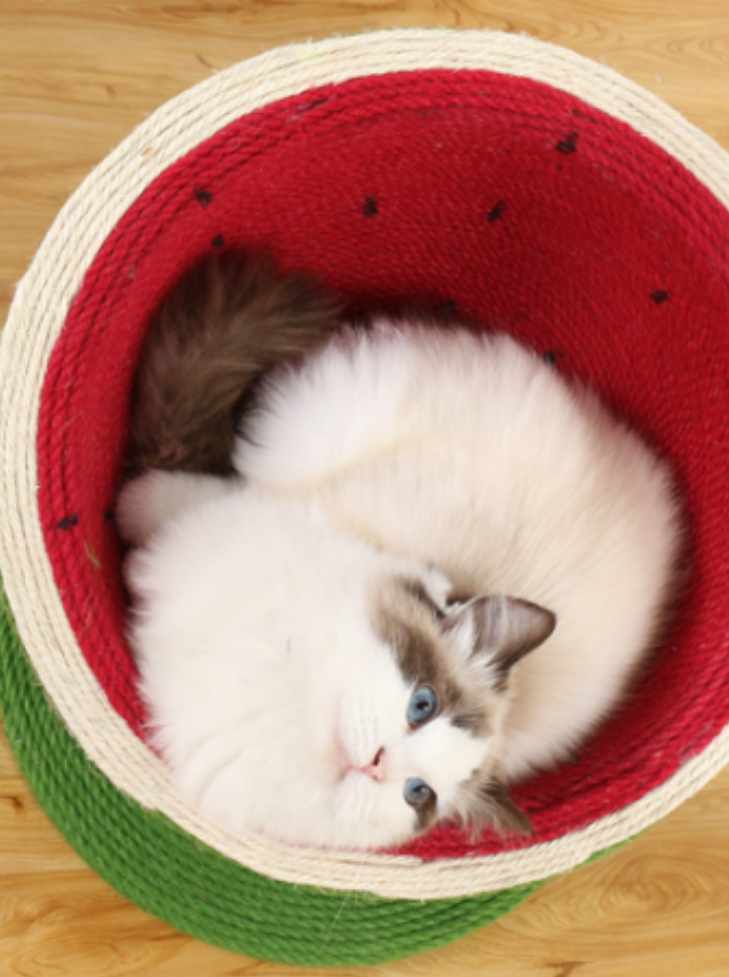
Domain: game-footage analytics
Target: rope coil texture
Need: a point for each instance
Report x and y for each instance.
(110, 249)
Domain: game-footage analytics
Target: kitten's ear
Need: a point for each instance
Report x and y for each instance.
(499, 631)
(495, 809)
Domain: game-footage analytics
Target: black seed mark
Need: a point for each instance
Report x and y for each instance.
(204, 197)
(497, 212)
(552, 356)
(109, 515)
(449, 307)
(370, 207)
(568, 144)
(68, 521)
(659, 297)
(218, 241)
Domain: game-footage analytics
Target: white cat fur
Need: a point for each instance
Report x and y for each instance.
(396, 449)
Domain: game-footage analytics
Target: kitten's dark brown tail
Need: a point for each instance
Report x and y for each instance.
(227, 321)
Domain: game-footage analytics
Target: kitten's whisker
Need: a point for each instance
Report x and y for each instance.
(336, 918)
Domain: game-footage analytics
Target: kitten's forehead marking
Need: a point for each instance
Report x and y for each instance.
(417, 589)
(422, 662)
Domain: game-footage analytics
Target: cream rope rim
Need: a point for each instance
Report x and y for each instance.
(38, 314)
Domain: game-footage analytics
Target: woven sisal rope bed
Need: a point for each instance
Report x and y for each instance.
(511, 181)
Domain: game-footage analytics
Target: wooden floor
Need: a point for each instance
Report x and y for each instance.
(75, 77)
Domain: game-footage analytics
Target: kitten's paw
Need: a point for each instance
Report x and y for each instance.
(147, 503)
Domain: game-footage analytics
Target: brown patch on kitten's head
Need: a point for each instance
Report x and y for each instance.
(412, 630)
(466, 653)
(426, 814)
(227, 321)
(483, 802)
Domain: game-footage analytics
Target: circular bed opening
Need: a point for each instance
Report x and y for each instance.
(499, 199)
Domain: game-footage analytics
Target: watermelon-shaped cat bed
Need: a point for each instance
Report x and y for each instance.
(505, 180)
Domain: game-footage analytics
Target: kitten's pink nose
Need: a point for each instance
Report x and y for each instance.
(376, 769)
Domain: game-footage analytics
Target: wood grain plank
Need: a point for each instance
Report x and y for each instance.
(28, 843)
(75, 77)
(659, 906)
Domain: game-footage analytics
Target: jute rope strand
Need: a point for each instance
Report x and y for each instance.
(37, 317)
(170, 874)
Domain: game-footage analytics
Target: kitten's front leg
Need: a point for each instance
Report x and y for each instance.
(148, 502)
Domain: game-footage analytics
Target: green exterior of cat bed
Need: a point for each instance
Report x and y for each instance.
(322, 911)
(172, 875)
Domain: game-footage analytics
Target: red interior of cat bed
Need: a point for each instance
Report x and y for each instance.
(481, 195)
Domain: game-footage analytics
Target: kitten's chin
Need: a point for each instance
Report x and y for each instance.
(346, 842)
(348, 813)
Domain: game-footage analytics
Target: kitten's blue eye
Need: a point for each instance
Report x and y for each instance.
(422, 706)
(417, 793)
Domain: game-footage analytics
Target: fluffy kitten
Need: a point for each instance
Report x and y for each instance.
(435, 571)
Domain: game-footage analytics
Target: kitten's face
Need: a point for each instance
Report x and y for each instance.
(412, 739)
(336, 703)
